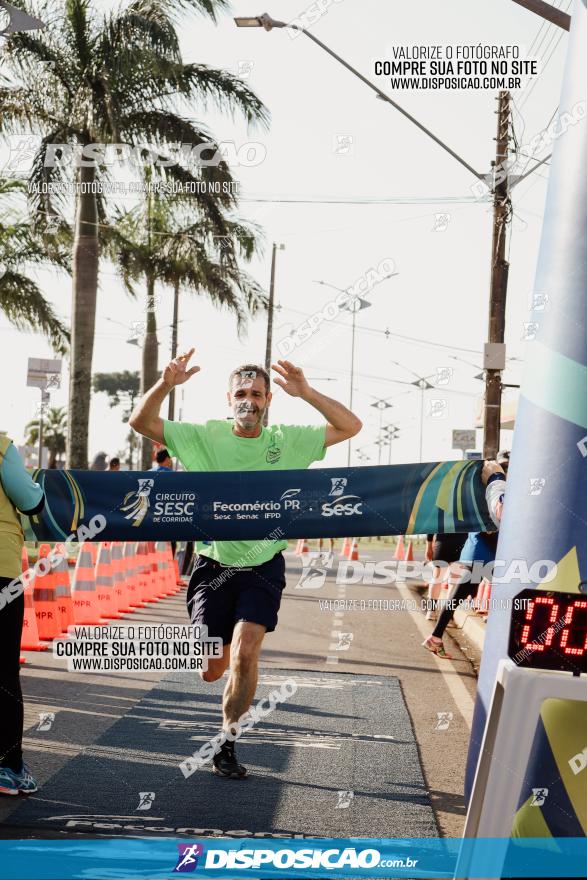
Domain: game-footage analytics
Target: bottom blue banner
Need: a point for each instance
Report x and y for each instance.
(317, 857)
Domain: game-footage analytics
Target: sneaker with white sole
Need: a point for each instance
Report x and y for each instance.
(17, 783)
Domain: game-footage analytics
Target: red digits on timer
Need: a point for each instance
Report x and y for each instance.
(556, 624)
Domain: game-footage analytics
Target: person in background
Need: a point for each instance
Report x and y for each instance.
(99, 462)
(441, 548)
(18, 492)
(163, 461)
(114, 464)
(479, 547)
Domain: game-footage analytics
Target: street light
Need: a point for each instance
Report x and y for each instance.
(353, 304)
(392, 433)
(423, 384)
(381, 405)
(265, 21)
(270, 309)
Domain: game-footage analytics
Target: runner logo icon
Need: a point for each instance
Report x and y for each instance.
(338, 485)
(314, 572)
(137, 502)
(187, 860)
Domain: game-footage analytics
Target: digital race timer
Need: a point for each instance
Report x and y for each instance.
(549, 631)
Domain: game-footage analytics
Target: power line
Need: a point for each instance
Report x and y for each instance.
(388, 333)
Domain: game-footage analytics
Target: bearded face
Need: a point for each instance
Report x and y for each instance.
(248, 399)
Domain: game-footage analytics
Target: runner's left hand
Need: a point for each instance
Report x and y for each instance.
(489, 468)
(293, 380)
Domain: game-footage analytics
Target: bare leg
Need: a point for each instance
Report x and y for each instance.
(244, 660)
(217, 666)
(434, 591)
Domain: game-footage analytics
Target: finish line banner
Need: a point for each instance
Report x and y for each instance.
(402, 499)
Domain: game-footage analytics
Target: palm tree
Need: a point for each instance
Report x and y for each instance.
(54, 433)
(21, 299)
(92, 78)
(164, 241)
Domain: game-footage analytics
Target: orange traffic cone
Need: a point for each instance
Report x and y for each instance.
(45, 600)
(64, 600)
(86, 608)
(305, 547)
(29, 640)
(173, 586)
(178, 579)
(409, 553)
(169, 587)
(162, 570)
(345, 547)
(157, 590)
(119, 579)
(399, 548)
(105, 583)
(145, 575)
(354, 551)
(302, 547)
(131, 568)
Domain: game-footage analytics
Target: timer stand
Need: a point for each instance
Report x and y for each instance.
(516, 702)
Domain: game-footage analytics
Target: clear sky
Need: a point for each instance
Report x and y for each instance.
(346, 183)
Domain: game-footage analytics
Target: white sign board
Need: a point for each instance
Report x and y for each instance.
(463, 439)
(44, 373)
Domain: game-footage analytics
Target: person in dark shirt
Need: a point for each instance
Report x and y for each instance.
(479, 547)
(441, 548)
(163, 461)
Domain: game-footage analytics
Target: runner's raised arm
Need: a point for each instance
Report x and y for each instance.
(342, 424)
(145, 418)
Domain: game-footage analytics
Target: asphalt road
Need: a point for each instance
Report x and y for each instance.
(373, 742)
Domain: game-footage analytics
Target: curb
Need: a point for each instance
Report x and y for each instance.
(472, 625)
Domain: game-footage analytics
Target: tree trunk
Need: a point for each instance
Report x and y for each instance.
(52, 458)
(149, 372)
(83, 318)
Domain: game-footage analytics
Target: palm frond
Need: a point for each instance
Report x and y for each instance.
(26, 309)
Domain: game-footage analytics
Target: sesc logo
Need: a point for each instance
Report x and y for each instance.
(346, 505)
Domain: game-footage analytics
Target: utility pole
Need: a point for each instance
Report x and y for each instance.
(171, 405)
(494, 359)
(270, 316)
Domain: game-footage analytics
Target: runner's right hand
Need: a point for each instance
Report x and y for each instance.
(176, 372)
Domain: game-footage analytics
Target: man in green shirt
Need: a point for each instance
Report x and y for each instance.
(235, 589)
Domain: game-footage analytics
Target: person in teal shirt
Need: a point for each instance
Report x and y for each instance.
(236, 586)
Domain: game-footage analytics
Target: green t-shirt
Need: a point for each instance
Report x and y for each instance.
(213, 447)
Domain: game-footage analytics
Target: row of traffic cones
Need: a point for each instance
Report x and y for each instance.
(350, 548)
(110, 579)
(403, 553)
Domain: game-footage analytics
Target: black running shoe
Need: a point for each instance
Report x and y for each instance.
(224, 763)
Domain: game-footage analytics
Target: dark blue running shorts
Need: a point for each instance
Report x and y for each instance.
(220, 596)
